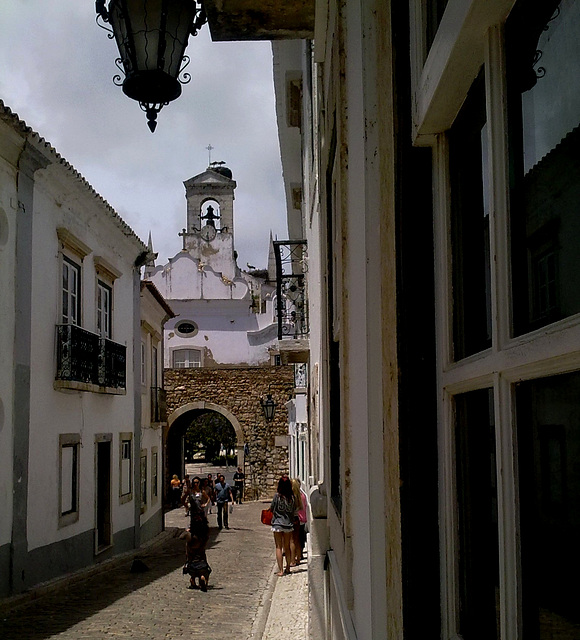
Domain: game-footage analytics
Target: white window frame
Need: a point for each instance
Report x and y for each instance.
(125, 467)
(154, 475)
(72, 252)
(69, 478)
(155, 377)
(72, 292)
(188, 362)
(143, 362)
(104, 309)
(548, 351)
(144, 485)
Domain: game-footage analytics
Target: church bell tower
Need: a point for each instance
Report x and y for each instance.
(209, 235)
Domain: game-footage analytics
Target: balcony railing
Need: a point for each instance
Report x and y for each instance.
(292, 303)
(158, 405)
(87, 358)
(114, 357)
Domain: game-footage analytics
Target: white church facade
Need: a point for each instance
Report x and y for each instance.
(224, 316)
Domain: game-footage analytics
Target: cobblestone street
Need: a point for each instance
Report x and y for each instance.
(157, 604)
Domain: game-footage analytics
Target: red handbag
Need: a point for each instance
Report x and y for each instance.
(266, 516)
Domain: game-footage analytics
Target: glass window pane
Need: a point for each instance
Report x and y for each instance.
(434, 10)
(70, 292)
(478, 569)
(143, 480)
(186, 358)
(471, 272)
(544, 118)
(548, 435)
(68, 478)
(125, 467)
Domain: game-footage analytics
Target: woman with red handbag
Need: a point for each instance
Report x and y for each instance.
(283, 508)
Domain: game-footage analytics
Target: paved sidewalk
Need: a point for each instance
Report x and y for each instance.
(245, 598)
(288, 617)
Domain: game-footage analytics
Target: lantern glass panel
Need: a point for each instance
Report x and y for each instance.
(145, 25)
(152, 36)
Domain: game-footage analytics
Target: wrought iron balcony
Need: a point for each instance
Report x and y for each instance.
(112, 365)
(84, 357)
(292, 302)
(158, 405)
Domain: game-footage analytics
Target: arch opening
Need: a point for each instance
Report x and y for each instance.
(201, 429)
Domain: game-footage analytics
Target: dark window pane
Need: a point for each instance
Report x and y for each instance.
(468, 153)
(434, 10)
(548, 435)
(477, 516)
(544, 118)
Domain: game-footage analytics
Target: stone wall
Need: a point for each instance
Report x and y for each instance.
(237, 393)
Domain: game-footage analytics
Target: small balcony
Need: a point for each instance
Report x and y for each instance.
(158, 405)
(87, 362)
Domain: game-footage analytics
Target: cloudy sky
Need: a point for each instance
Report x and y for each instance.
(56, 69)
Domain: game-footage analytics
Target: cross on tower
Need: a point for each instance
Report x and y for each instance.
(209, 150)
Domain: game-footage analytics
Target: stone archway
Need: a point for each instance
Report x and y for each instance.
(236, 394)
(177, 425)
(202, 405)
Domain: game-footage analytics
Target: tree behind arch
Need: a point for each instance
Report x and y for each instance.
(207, 434)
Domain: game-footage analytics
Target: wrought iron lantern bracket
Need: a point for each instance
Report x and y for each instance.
(152, 36)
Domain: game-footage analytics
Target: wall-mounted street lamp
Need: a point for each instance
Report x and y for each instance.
(152, 37)
(269, 407)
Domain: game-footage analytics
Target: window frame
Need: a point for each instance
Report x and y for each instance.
(68, 264)
(154, 475)
(143, 363)
(104, 311)
(178, 350)
(70, 516)
(143, 478)
(72, 251)
(540, 353)
(186, 334)
(125, 447)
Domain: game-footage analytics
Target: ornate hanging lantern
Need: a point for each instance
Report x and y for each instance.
(152, 37)
(269, 407)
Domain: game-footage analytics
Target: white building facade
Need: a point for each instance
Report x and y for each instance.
(70, 424)
(155, 312)
(440, 187)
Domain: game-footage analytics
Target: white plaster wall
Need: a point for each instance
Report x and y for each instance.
(185, 277)
(152, 317)
(150, 438)
(217, 254)
(288, 61)
(228, 332)
(8, 212)
(55, 412)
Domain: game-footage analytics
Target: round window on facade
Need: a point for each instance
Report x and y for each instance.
(186, 329)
